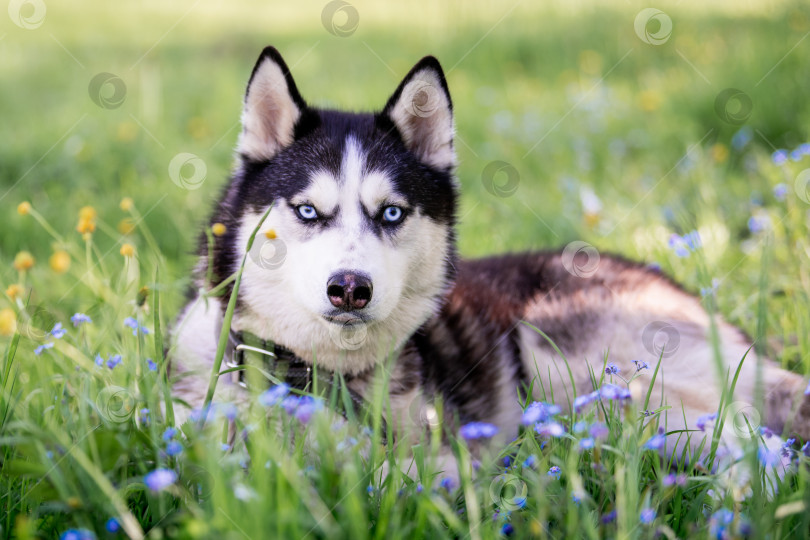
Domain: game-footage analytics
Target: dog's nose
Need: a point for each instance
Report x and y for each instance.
(349, 291)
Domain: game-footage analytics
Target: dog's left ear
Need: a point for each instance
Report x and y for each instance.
(422, 112)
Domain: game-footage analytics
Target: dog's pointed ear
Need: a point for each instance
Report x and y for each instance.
(272, 108)
(422, 112)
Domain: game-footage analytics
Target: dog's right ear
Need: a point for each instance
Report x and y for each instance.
(272, 108)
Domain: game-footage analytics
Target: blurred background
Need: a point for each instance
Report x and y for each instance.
(613, 123)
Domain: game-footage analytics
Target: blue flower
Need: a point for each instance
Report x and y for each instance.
(45, 346)
(684, 245)
(143, 416)
(807, 390)
(78, 534)
(796, 155)
(612, 369)
(274, 395)
(478, 430)
(225, 447)
(507, 529)
(530, 461)
(780, 192)
(647, 516)
(307, 406)
(99, 360)
(58, 332)
(779, 157)
(447, 484)
(580, 426)
(674, 480)
(786, 451)
(80, 318)
(599, 431)
(132, 323)
(419, 488)
(229, 411)
(614, 393)
(113, 360)
(610, 517)
(539, 412)
(289, 404)
(169, 433)
(767, 457)
(703, 420)
(583, 401)
(656, 442)
(160, 479)
(151, 365)
(173, 448)
(586, 444)
(766, 432)
(112, 525)
(554, 429)
(758, 223)
(740, 139)
(718, 523)
(555, 471)
(640, 364)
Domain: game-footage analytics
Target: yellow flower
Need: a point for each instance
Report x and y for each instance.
(649, 100)
(126, 226)
(126, 204)
(60, 261)
(23, 261)
(271, 234)
(14, 291)
(86, 225)
(218, 229)
(24, 208)
(88, 212)
(8, 322)
(127, 250)
(719, 152)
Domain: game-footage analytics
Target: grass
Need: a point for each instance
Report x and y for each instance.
(614, 141)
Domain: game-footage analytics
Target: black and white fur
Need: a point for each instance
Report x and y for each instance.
(454, 326)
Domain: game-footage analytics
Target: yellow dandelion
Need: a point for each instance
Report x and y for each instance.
(14, 291)
(23, 261)
(126, 226)
(218, 229)
(719, 152)
(24, 208)
(271, 234)
(8, 322)
(649, 100)
(60, 261)
(86, 225)
(127, 250)
(88, 212)
(126, 204)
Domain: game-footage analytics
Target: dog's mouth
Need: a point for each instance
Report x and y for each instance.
(343, 318)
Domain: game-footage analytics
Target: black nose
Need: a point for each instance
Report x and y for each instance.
(349, 291)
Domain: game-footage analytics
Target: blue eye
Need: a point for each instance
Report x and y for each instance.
(307, 212)
(392, 214)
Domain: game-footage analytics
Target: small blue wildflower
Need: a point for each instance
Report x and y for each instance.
(207, 412)
(225, 447)
(132, 323)
(804, 148)
(99, 360)
(112, 525)
(228, 410)
(718, 523)
(78, 534)
(419, 488)
(173, 448)
(289, 404)
(554, 429)
(160, 479)
(656, 442)
(740, 139)
(507, 529)
(796, 155)
(576, 497)
(807, 390)
(347, 443)
(583, 401)
(80, 318)
(447, 484)
(766, 432)
(767, 457)
(507, 461)
(674, 480)
(647, 516)
(758, 223)
(151, 365)
(806, 449)
(640, 364)
(678, 246)
(539, 412)
(113, 360)
(612, 369)
(274, 395)
(610, 517)
(779, 157)
(780, 191)
(586, 444)
(478, 430)
(555, 471)
(307, 406)
(143, 416)
(169, 433)
(786, 451)
(58, 332)
(579, 427)
(703, 420)
(599, 431)
(530, 461)
(44, 347)
(614, 393)
(370, 489)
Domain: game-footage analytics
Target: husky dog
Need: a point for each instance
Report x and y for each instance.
(356, 263)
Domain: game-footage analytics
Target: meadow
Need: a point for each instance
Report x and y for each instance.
(577, 122)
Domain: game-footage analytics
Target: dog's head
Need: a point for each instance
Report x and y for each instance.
(357, 251)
